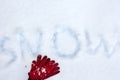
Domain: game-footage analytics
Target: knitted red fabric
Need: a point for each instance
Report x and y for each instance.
(43, 68)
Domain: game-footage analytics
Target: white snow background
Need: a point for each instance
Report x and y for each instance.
(83, 36)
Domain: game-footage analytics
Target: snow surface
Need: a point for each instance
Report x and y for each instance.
(82, 35)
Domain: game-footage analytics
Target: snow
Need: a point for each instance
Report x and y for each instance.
(82, 35)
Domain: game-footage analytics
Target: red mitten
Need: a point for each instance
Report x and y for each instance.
(43, 68)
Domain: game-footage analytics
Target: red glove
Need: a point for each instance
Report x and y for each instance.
(43, 68)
